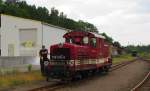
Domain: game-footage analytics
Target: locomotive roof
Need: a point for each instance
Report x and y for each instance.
(82, 34)
(98, 35)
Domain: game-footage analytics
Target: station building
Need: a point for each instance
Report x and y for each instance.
(24, 37)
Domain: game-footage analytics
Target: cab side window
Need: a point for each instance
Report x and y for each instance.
(93, 42)
(68, 40)
(85, 40)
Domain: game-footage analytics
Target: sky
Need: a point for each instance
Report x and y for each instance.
(126, 21)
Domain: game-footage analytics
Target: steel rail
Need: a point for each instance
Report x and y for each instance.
(141, 83)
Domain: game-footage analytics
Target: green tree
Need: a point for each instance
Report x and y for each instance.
(54, 12)
(22, 9)
(1, 6)
(85, 26)
(11, 1)
(117, 44)
(43, 13)
(107, 38)
(62, 15)
(0, 1)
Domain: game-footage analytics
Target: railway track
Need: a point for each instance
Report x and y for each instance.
(117, 66)
(59, 85)
(143, 85)
(51, 87)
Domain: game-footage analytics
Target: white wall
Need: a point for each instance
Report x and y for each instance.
(10, 33)
(0, 30)
(52, 35)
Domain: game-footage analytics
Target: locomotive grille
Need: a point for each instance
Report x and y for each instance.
(60, 54)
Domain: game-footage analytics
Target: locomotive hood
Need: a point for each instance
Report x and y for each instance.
(61, 51)
(66, 51)
(62, 45)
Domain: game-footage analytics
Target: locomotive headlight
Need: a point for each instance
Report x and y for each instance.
(71, 62)
(46, 63)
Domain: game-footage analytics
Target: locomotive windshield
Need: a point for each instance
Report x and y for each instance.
(82, 41)
(78, 40)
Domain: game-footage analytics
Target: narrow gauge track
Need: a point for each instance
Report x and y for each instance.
(143, 85)
(59, 85)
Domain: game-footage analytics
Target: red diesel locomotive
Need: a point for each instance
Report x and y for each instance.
(81, 54)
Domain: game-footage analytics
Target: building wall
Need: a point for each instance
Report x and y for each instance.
(10, 41)
(0, 34)
(52, 35)
(24, 37)
(0, 37)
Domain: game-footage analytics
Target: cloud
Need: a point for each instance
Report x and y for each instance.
(127, 21)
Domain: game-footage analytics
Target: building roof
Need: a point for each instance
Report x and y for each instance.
(56, 26)
(44, 23)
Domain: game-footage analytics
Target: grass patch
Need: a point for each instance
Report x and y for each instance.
(145, 55)
(121, 58)
(20, 79)
(8, 71)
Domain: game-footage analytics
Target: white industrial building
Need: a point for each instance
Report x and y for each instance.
(24, 37)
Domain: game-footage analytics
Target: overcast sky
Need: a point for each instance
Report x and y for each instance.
(126, 21)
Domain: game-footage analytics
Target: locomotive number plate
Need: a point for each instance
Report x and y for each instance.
(57, 57)
(57, 63)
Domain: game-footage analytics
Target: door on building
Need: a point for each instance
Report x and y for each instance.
(10, 49)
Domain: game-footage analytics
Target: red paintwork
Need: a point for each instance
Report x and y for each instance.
(101, 51)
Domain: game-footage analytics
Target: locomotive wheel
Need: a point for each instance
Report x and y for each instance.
(84, 74)
(106, 68)
(66, 80)
(78, 76)
(94, 72)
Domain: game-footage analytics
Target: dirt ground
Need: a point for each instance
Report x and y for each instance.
(146, 86)
(122, 79)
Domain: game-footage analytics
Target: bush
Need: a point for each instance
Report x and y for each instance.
(29, 67)
(1, 72)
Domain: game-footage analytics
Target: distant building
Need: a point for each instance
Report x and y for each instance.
(114, 51)
(24, 37)
(117, 51)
